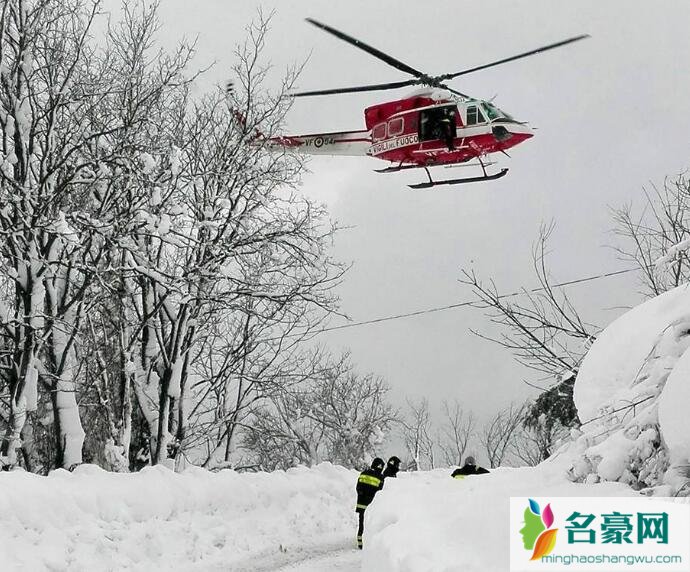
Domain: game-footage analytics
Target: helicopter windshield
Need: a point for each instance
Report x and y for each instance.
(493, 112)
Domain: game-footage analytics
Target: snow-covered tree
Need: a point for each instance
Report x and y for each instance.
(418, 435)
(657, 237)
(545, 333)
(225, 235)
(49, 89)
(333, 414)
(542, 328)
(140, 228)
(242, 363)
(499, 434)
(547, 419)
(456, 429)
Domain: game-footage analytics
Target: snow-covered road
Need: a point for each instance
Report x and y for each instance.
(338, 556)
(348, 560)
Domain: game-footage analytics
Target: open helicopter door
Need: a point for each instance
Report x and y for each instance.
(438, 123)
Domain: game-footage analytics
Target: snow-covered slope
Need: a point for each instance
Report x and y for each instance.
(632, 375)
(615, 361)
(674, 411)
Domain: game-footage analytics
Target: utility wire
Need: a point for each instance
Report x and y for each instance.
(469, 303)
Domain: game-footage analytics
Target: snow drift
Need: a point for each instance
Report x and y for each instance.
(159, 520)
(632, 395)
(196, 521)
(674, 408)
(429, 522)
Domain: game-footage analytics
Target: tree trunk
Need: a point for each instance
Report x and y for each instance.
(62, 328)
(69, 431)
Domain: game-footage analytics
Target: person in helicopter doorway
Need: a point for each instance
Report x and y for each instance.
(392, 467)
(370, 482)
(469, 468)
(446, 124)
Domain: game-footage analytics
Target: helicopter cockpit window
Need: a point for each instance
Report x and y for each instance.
(474, 115)
(493, 112)
(379, 132)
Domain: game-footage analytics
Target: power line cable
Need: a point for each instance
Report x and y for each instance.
(469, 303)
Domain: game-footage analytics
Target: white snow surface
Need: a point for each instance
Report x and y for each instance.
(301, 519)
(429, 522)
(615, 360)
(634, 423)
(674, 405)
(159, 520)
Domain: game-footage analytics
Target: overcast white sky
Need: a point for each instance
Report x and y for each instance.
(612, 115)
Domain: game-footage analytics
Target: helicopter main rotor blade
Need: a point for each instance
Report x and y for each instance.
(455, 91)
(513, 58)
(397, 64)
(373, 87)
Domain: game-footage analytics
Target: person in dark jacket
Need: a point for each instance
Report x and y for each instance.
(469, 468)
(392, 467)
(370, 482)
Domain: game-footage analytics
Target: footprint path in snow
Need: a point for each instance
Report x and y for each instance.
(348, 560)
(339, 556)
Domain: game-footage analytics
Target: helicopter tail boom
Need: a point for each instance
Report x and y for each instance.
(348, 143)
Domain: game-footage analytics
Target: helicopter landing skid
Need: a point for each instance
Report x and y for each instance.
(397, 168)
(484, 177)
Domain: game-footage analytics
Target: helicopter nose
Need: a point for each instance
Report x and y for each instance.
(506, 131)
(501, 133)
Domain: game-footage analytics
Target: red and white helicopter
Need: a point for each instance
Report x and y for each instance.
(434, 126)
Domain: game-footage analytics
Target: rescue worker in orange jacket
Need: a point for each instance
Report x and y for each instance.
(469, 468)
(370, 482)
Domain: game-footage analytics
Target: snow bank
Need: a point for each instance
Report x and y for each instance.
(674, 405)
(616, 358)
(621, 389)
(159, 520)
(91, 520)
(429, 522)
